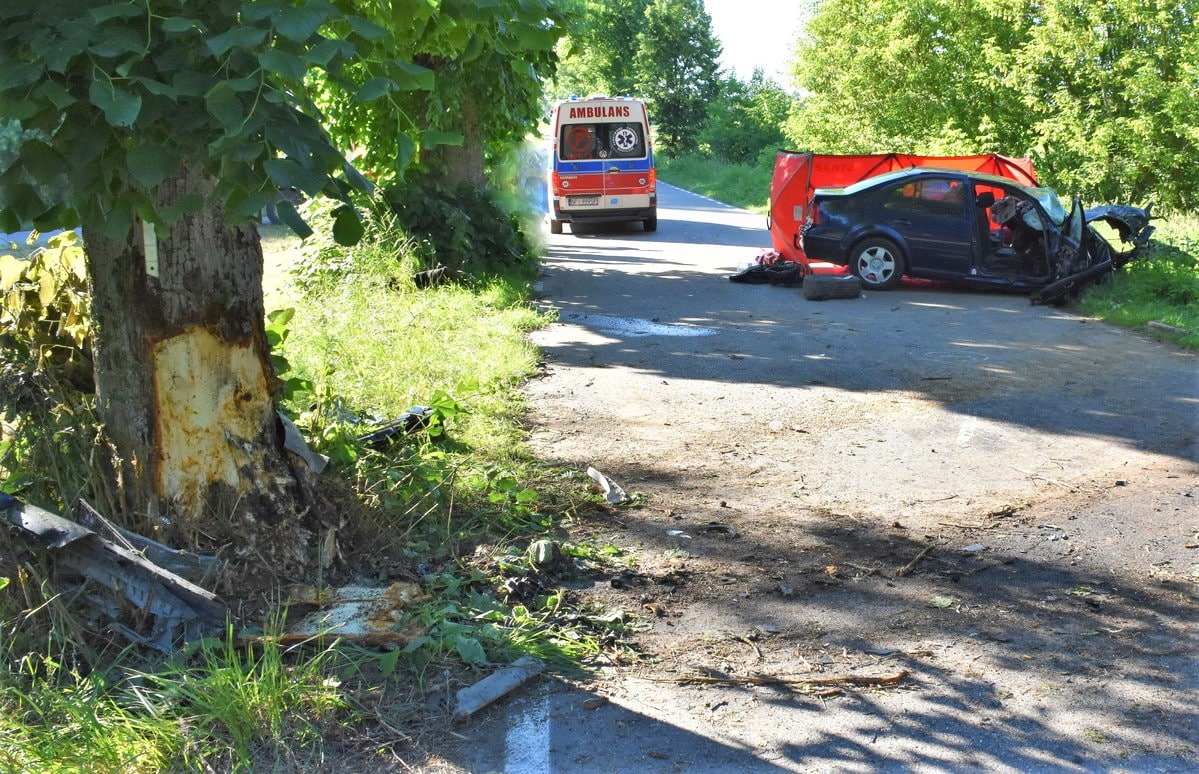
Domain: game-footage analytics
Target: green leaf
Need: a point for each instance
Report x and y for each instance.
(120, 107)
(347, 226)
(55, 93)
(291, 219)
(20, 75)
(150, 164)
(405, 151)
(115, 11)
(356, 179)
(41, 161)
(301, 23)
(117, 42)
(418, 77)
(178, 24)
(118, 222)
(322, 53)
(432, 137)
(188, 204)
(368, 30)
(158, 88)
(281, 316)
(287, 173)
(470, 650)
(224, 105)
(287, 65)
(375, 88)
(239, 37)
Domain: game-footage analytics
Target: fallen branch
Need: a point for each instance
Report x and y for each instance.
(864, 681)
(907, 568)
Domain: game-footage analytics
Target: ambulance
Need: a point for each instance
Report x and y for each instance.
(601, 163)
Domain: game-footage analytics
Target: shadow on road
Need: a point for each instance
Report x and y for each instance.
(960, 349)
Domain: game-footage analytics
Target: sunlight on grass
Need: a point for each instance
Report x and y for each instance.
(738, 185)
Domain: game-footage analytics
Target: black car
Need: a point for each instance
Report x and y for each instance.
(970, 228)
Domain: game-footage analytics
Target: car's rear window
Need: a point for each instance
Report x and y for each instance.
(581, 142)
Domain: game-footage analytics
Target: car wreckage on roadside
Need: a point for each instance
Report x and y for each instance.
(970, 228)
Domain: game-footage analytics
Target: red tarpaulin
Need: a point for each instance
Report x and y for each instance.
(797, 174)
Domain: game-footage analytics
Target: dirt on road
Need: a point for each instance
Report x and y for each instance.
(1002, 533)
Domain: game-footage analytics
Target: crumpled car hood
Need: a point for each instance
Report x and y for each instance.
(1131, 223)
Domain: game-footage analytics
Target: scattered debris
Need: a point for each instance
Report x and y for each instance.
(544, 554)
(770, 267)
(716, 527)
(497, 684)
(1161, 326)
(363, 615)
(293, 441)
(819, 686)
(612, 491)
(436, 276)
(125, 570)
(411, 420)
(907, 568)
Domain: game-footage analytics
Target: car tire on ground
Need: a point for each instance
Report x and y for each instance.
(877, 262)
(820, 287)
(651, 223)
(555, 226)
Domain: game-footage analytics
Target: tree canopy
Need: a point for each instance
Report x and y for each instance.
(676, 69)
(662, 51)
(1099, 94)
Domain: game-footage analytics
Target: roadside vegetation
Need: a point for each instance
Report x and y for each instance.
(410, 390)
(451, 505)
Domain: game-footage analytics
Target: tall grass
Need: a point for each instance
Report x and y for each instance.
(1160, 287)
(740, 185)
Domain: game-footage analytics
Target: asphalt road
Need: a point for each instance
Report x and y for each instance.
(900, 401)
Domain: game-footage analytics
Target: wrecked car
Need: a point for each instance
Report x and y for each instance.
(970, 228)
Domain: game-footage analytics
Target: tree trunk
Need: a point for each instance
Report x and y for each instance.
(184, 388)
(464, 163)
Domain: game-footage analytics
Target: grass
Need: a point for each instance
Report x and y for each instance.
(740, 185)
(454, 504)
(1161, 286)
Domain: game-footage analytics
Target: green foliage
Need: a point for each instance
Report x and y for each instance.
(740, 185)
(487, 61)
(125, 95)
(745, 120)
(384, 253)
(596, 57)
(47, 428)
(462, 227)
(1162, 286)
(676, 70)
(245, 699)
(1099, 94)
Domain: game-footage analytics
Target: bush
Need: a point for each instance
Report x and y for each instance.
(463, 228)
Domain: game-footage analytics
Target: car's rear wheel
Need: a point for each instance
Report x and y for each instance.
(878, 263)
(555, 226)
(650, 223)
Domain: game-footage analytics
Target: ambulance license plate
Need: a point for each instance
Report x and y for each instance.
(582, 201)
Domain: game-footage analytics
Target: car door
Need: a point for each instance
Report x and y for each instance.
(932, 217)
